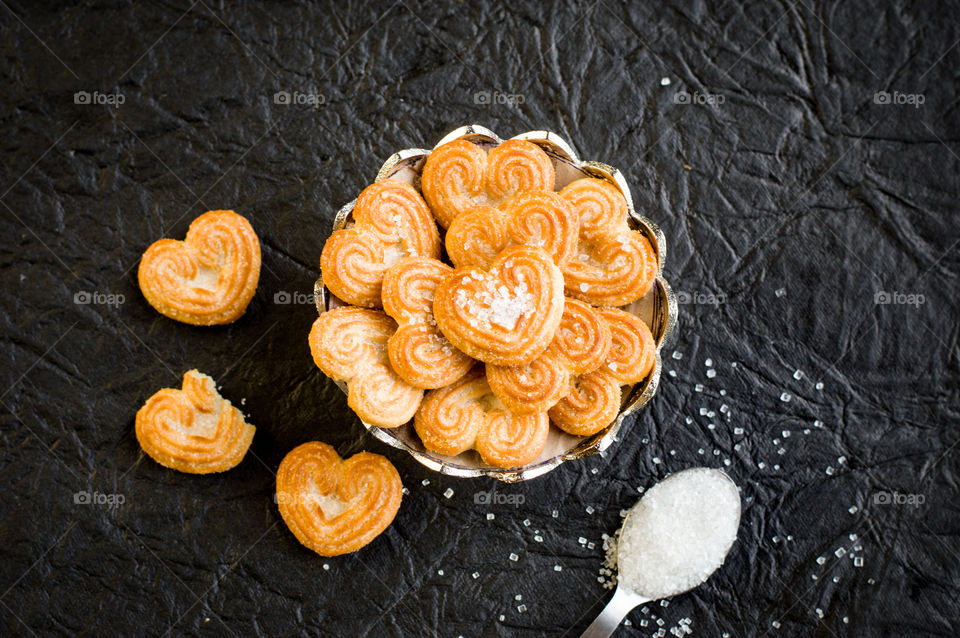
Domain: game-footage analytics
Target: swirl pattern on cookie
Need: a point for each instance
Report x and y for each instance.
(467, 415)
(208, 278)
(506, 315)
(580, 345)
(350, 345)
(193, 429)
(336, 506)
(594, 401)
(535, 218)
(391, 221)
(460, 176)
(418, 351)
(614, 265)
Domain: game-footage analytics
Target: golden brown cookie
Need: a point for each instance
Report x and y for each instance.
(460, 176)
(467, 415)
(391, 221)
(194, 429)
(418, 351)
(532, 218)
(334, 506)
(614, 266)
(580, 345)
(208, 278)
(594, 401)
(350, 345)
(506, 315)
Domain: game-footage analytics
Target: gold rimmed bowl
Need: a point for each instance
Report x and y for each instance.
(658, 308)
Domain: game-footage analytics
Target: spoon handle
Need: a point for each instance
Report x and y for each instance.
(620, 605)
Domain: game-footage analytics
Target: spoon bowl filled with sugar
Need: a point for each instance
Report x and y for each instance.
(672, 540)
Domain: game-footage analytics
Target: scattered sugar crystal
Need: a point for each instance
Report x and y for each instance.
(703, 412)
(852, 509)
(660, 622)
(711, 373)
(664, 81)
(521, 608)
(785, 397)
(723, 392)
(836, 579)
(555, 513)
(733, 364)
(425, 482)
(780, 292)
(405, 491)
(591, 545)
(738, 430)
(776, 467)
(776, 441)
(726, 461)
(806, 430)
(672, 373)
(776, 539)
(502, 617)
(584, 287)
(526, 522)
(724, 409)
(846, 620)
(829, 470)
(698, 387)
(656, 460)
(326, 566)
(664, 603)
(821, 560)
(590, 509)
(491, 516)
(612, 365)
(819, 385)
(789, 537)
(594, 471)
(761, 465)
(716, 452)
(582, 540)
(677, 355)
(518, 597)
(673, 452)
(818, 424)
(700, 450)
(654, 549)
(819, 612)
(644, 622)
(798, 374)
(785, 434)
(852, 537)
(514, 557)
(871, 581)
(737, 446)
(708, 363)
(439, 572)
(447, 493)
(689, 420)
(557, 568)
(813, 577)
(841, 460)
(776, 624)
(839, 552)
(475, 575)
(782, 451)
(711, 426)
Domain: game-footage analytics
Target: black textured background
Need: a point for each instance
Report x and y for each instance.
(790, 198)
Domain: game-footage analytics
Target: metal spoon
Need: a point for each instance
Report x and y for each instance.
(625, 599)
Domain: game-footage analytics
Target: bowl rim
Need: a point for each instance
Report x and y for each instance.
(665, 304)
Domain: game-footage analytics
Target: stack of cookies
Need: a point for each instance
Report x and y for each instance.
(518, 329)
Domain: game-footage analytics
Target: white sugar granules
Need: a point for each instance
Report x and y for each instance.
(497, 305)
(679, 533)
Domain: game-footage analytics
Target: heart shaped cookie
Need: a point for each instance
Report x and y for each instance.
(467, 415)
(193, 430)
(418, 351)
(334, 506)
(594, 400)
(614, 265)
(208, 278)
(535, 218)
(391, 221)
(580, 345)
(350, 345)
(506, 315)
(459, 176)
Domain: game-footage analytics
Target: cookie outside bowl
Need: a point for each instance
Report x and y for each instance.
(658, 308)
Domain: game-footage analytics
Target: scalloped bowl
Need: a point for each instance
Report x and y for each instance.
(658, 309)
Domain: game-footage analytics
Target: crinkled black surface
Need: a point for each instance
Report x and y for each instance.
(788, 194)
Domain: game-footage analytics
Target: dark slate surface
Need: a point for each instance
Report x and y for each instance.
(792, 195)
